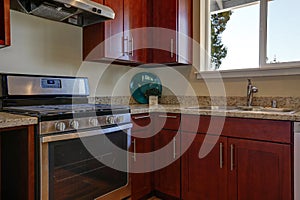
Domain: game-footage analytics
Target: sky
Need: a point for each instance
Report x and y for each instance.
(242, 35)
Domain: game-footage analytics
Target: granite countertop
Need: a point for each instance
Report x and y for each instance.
(287, 116)
(8, 120)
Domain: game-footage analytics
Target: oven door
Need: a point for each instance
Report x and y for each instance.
(86, 165)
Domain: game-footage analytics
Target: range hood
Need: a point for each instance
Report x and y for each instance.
(76, 12)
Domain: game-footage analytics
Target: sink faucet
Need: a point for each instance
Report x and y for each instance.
(250, 90)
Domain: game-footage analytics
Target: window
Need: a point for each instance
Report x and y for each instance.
(244, 34)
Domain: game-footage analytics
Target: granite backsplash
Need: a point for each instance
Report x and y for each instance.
(282, 102)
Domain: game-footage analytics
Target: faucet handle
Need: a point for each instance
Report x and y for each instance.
(254, 89)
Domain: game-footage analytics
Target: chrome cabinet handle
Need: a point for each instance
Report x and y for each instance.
(172, 48)
(167, 116)
(123, 53)
(221, 155)
(128, 46)
(174, 148)
(131, 51)
(125, 40)
(134, 150)
(231, 157)
(142, 117)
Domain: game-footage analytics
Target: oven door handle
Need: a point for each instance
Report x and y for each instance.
(68, 136)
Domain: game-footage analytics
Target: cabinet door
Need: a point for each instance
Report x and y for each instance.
(142, 142)
(167, 179)
(142, 164)
(204, 178)
(105, 40)
(259, 170)
(136, 36)
(18, 174)
(114, 30)
(164, 36)
(172, 39)
(4, 23)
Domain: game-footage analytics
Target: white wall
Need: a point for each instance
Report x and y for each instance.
(41, 46)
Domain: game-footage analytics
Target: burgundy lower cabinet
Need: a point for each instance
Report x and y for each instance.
(204, 178)
(141, 142)
(238, 168)
(259, 170)
(141, 181)
(17, 163)
(167, 179)
(250, 159)
(167, 161)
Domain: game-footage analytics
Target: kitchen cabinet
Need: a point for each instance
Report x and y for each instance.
(4, 23)
(264, 167)
(142, 142)
(126, 39)
(136, 36)
(17, 163)
(167, 145)
(245, 163)
(115, 40)
(104, 40)
(172, 39)
(204, 178)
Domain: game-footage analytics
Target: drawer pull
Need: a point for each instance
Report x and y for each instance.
(167, 116)
(141, 117)
(172, 48)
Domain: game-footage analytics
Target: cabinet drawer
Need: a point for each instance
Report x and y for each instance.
(257, 129)
(167, 121)
(141, 121)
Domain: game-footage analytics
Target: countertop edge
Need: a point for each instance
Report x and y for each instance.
(288, 116)
(8, 120)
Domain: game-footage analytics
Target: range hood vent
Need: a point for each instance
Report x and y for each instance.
(76, 12)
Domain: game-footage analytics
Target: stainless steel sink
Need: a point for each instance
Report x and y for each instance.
(242, 108)
(264, 109)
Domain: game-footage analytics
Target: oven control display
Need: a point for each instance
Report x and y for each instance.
(51, 83)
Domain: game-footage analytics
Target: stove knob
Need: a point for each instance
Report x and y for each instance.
(110, 120)
(60, 126)
(93, 122)
(74, 124)
(119, 119)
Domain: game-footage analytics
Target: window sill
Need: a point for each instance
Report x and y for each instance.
(248, 73)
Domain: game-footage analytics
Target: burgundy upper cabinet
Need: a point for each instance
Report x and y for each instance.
(114, 39)
(129, 37)
(4, 23)
(136, 36)
(172, 40)
(104, 40)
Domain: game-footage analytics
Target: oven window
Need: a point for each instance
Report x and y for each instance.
(76, 174)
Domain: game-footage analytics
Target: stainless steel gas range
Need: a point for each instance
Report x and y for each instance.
(81, 148)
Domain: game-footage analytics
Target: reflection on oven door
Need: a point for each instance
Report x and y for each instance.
(75, 172)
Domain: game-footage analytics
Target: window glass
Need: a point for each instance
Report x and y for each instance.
(283, 34)
(234, 34)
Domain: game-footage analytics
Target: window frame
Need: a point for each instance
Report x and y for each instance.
(263, 69)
